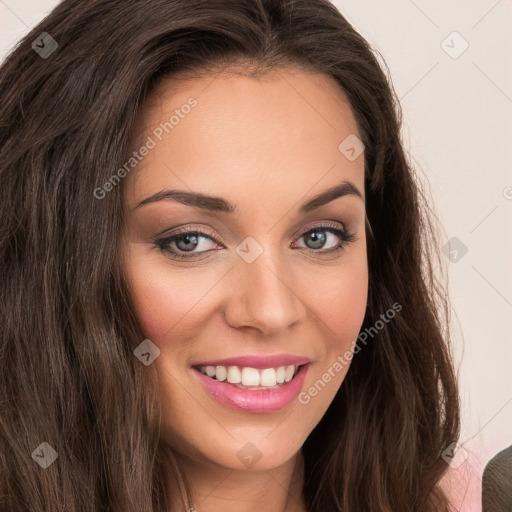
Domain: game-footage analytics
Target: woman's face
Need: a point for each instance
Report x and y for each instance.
(260, 285)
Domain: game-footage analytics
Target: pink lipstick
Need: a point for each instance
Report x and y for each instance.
(254, 383)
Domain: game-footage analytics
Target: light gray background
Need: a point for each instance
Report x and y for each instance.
(458, 129)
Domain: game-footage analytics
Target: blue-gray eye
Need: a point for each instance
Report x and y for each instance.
(188, 240)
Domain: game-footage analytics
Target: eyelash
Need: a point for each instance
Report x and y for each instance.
(163, 243)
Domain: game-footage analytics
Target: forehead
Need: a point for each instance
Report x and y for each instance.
(280, 131)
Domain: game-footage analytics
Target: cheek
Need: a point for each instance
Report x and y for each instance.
(156, 308)
(342, 305)
(340, 310)
(175, 305)
(165, 303)
(345, 312)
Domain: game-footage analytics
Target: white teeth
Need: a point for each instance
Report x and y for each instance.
(234, 375)
(288, 375)
(268, 377)
(251, 377)
(221, 373)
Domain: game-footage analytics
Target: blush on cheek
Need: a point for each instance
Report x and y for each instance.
(157, 309)
(344, 310)
(170, 307)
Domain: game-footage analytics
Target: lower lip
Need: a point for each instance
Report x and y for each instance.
(256, 400)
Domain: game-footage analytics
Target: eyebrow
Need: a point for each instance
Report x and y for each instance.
(218, 204)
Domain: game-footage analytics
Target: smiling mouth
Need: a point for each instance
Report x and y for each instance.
(251, 378)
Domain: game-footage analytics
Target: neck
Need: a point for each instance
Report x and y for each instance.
(217, 489)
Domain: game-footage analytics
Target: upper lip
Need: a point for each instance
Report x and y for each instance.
(257, 361)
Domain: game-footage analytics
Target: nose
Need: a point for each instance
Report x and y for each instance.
(263, 295)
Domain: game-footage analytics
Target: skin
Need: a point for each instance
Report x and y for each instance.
(266, 145)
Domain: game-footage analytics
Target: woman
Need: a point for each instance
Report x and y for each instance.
(218, 288)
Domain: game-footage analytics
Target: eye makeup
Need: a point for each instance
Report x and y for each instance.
(170, 244)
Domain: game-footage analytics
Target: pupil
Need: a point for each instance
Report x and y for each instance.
(187, 238)
(317, 239)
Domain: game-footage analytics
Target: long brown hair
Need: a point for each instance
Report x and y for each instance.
(68, 376)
